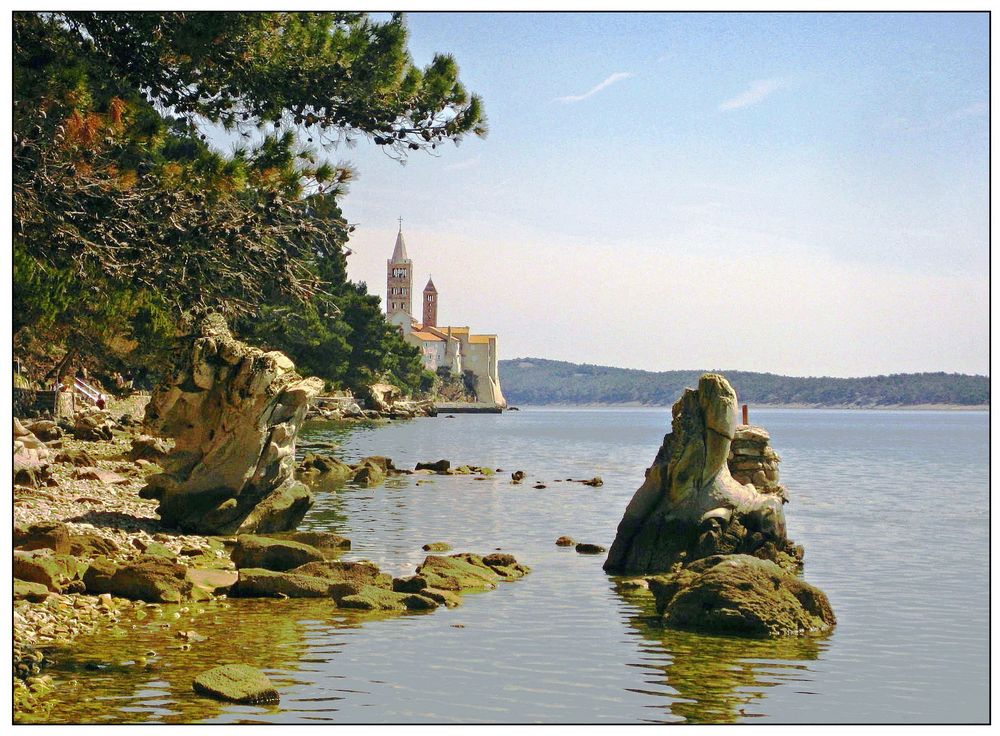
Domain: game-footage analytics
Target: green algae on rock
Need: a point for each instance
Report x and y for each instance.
(238, 683)
(740, 595)
(273, 554)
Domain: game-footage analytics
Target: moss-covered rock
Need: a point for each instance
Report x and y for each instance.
(368, 474)
(323, 469)
(325, 542)
(28, 591)
(371, 598)
(56, 572)
(740, 595)
(261, 583)
(146, 578)
(238, 683)
(269, 553)
(437, 547)
(458, 572)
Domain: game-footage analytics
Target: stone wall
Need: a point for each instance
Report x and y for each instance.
(752, 460)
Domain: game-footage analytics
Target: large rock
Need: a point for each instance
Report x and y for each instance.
(31, 456)
(690, 506)
(323, 469)
(43, 535)
(740, 595)
(147, 578)
(57, 572)
(238, 683)
(272, 554)
(326, 579)
(149, 448)
(234, 412)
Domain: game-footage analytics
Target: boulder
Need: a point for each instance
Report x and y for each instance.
(565, 542)
(371, 598)
(323, 468)
(368, 473)
(690, 506)
(234, 412)
(28, 591)
(459, 572)
(272, 554)
(327, 579)
(57, 572)
(238, 683)
(43, 535)
(505, 566)
(145, 578)
(79, 458)
(326, 542)
(45, 430)
(382, 396)
(585, 548)
(740, 595)
(93, 426)
(88, 544)
(144, 447)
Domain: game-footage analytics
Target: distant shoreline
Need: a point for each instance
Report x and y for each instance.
(836, 407)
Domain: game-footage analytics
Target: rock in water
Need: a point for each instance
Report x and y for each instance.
(690, 506)
(234, 411)
(238, 683)
(740, 595)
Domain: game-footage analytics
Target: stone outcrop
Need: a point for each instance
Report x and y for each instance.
(234, 412)
(690, 505)
(740, 595)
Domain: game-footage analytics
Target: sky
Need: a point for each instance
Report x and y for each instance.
(804, 194)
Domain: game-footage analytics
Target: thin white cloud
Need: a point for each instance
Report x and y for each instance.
(753, 94)
(462, 165)
(616, 77)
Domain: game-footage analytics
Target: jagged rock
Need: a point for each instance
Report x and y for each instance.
(144, 447)
(272, 554)
(690, 506)
(238, 683)
(740, 595)
(441, 466)
(234, 411)
(43, 535)
(382, 396)
(517, 476)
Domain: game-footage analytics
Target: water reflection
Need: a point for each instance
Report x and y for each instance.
(144, 674)
(717, 679)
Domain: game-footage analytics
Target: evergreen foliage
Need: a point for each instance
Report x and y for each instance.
(124, 217)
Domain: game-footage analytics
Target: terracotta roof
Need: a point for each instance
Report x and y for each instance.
(481, 339)
(422, 335)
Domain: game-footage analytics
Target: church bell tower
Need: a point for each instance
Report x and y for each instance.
(430, 304)
(399, 279)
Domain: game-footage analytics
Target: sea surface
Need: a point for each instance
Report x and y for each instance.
(892, 508)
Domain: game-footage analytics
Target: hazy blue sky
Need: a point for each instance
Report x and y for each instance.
(795, 193)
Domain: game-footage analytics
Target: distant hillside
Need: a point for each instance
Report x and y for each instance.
(539, 381)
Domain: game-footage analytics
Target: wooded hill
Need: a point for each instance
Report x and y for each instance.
(539, 381)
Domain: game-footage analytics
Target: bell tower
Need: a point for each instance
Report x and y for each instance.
(399, 278)
(430, 304)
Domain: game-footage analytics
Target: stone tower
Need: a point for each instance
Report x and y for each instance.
(399, 279)
(430, 304)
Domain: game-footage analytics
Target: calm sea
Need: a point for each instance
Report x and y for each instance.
(892, 508)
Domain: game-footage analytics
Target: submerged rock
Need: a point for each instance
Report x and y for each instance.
(437, 547)
(740, 595)
(441, 466)
(585, 548)
(235, 412)
(323, 468)
(238, 683)
(690, 506)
